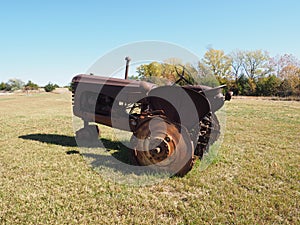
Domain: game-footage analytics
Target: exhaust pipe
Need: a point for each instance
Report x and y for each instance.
(127, 66)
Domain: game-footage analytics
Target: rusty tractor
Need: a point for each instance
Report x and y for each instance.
(171, 125)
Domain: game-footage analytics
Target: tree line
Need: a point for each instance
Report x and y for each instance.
(253, 73)
(244, 72)
(17, 84)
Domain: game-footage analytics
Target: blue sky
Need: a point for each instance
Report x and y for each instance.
(54, 40)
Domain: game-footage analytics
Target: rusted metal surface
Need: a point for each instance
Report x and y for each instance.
(164, 145)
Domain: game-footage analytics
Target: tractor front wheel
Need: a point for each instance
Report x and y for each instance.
(163, 146)
(88, 136)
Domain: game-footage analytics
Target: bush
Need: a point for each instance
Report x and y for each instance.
(267, 86)
(3, 86)
(31, 86)
(50, 87)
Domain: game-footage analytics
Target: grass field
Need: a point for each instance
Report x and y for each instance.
(254, 180)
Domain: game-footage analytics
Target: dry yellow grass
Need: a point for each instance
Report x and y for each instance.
(254, 180)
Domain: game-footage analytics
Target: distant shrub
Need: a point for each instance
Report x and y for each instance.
(31, 86)
(50, 87)
(3, 86)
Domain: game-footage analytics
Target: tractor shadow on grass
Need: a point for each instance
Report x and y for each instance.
(114, 155)
(120, 160)
(117, 149)
(56, 139)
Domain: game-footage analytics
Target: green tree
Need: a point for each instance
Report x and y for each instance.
(151, 72)
(153, 69)
(50, 87)
(166, 73)
(217, 62)
(244, 85)
(285, 88)
(31, 86)
(267, 86)
(2, 86)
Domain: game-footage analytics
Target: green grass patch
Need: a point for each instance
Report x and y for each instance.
(253, 180)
